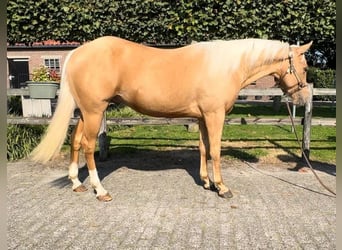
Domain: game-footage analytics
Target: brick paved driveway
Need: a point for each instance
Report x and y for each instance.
(160, 204)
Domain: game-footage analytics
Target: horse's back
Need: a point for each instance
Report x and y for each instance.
(158, 82)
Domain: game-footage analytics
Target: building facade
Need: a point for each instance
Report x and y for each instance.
(23, 59)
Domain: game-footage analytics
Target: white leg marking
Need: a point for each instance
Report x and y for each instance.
(96, 184)
(73, 175)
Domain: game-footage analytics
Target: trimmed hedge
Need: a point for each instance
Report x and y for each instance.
(175, 21)
(322, 78)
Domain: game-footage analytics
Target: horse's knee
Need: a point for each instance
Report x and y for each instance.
(215, 157)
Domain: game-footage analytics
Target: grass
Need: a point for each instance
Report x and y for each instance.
(248, 142)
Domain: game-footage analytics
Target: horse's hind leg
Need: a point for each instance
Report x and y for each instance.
(214, 122)
(92, 122)
(76, 138)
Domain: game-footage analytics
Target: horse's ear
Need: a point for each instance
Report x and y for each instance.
(302, 49)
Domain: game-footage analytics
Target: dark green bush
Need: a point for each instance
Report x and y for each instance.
(21, 139)
(175, 22)
(322, 78)
(14, 105)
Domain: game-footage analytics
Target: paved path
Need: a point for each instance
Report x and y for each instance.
(160, 204)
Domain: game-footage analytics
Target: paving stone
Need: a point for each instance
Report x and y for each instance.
(166, 208)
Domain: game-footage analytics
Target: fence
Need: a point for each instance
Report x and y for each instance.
(306, 121)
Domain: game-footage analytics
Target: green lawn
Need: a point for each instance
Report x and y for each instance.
(246, 142)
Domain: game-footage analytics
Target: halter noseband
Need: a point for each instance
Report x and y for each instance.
(292, 70)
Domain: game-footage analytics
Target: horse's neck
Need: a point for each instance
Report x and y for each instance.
(259, 72)
(263, 63)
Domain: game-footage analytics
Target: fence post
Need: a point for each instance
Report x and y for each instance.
(276, 103)
(307, 126)
(102, 137)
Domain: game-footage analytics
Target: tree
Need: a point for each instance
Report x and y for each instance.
(177, 21)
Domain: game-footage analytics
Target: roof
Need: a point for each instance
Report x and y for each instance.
(54, 43)
(59, 44)
(48, 44)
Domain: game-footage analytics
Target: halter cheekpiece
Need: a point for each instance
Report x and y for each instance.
(292, 70)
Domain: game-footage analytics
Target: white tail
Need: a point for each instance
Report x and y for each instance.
(56, 132)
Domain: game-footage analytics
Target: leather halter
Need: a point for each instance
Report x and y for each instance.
(292, 70)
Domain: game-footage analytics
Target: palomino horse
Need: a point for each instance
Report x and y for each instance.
(201, 80)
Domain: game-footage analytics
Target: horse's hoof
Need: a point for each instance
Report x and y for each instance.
(210, 187)
(105, 197)
(226, 195)
(80, 188)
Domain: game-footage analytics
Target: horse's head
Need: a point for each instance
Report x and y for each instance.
(292, 75)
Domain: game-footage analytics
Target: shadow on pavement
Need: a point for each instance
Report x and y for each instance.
(144, 160)
(300, 164)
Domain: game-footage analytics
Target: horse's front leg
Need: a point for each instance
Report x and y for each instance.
(214, 122)
(204, 155)
(91, 128)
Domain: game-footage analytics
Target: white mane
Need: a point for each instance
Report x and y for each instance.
(229, 54)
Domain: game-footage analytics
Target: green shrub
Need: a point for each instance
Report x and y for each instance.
(21, 139)
(322, 78)
(14, 105)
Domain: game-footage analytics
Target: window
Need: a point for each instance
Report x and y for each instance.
(53, 64)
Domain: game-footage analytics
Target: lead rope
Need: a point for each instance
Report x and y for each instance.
(303, 152)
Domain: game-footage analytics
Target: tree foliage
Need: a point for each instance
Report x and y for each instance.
(175, 21)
